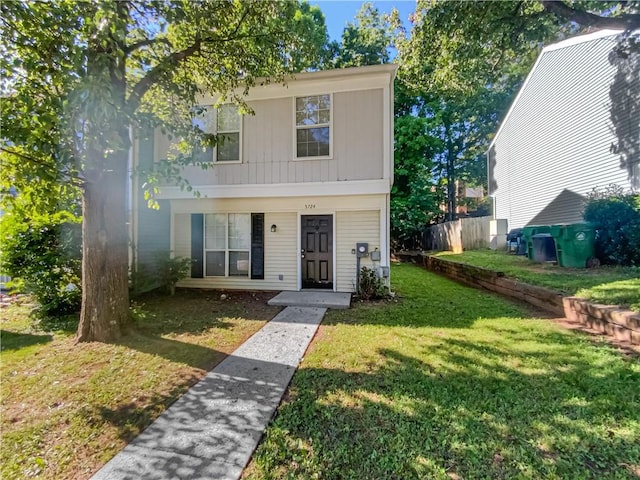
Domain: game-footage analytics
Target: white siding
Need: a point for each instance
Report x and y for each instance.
(182, 235)
(351, 228)
(280, 255)
(281, 251)
(268, 145)
(357, 218)
(553, 147)
(358, 135)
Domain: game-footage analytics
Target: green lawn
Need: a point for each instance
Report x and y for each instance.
(67, 409)
(454, 383)
(605, 284)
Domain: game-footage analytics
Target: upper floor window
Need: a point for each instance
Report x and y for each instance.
(313, 126)
(226, 123)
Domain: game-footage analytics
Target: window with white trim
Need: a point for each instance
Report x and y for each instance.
(226, 123)
(313, 126)
(227, 244)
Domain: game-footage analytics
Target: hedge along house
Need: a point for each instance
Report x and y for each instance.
(289, 193)
(555, 143)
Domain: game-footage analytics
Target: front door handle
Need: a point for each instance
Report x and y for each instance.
(302, 256)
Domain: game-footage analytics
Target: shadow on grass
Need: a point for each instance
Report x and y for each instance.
(176, 351)
(466, 413)
(15, 341)
(63, 323)
(428, 300)
(132, 418)
(195, 311)
(507, 400)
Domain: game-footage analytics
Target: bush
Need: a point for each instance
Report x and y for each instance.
(43, 257)
(371, 287)
(171, 270)
(162, 272)
(616, 217)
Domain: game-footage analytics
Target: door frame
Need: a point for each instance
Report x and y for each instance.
(314, 212)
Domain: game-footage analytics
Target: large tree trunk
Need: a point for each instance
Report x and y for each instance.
(105, 293)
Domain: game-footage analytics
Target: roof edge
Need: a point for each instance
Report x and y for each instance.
(581, 39)
(390, 68)
(549, 48)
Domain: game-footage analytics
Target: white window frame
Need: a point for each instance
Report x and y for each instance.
(297, 127)
(226, 249)
(214, 157)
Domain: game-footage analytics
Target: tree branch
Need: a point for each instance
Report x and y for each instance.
(240, 22)
(73, 179)
(145, 43)
(629, 21)
(154, 74)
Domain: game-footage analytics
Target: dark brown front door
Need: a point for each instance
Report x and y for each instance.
(317, 251)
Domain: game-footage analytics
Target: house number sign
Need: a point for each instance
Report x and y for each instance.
(309, 206)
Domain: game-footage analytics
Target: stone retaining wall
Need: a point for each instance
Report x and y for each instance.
(610, 320)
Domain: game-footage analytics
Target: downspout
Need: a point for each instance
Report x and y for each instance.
(132, 204)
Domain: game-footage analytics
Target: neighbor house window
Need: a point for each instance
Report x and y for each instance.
(227, 244)
(313, 126)
(226, 123)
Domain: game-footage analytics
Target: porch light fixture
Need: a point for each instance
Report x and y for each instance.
(274, 228)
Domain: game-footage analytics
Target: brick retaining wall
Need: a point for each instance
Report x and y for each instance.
(610, 320)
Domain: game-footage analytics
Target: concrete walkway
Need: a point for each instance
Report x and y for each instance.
(312, 298)
(212, 430)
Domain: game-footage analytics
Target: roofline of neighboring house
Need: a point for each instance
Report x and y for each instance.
(587, 37)
(549, 48)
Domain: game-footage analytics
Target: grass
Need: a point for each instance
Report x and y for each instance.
(605, 284)
(68, 409)
(453, 383)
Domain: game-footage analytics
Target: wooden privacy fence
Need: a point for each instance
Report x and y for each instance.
(458, 235)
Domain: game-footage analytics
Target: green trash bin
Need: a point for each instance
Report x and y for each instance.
(528, 233)
(575, 244)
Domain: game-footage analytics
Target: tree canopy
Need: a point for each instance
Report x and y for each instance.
(367, 40)
(463, 63)
(82, 76)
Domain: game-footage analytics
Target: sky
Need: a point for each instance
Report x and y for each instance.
(338, 12)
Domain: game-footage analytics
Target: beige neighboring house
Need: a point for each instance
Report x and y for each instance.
(289, 193)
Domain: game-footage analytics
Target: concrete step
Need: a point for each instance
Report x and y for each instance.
(315, 299)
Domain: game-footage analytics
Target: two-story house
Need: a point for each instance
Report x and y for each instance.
(289, 193)
(554, 145)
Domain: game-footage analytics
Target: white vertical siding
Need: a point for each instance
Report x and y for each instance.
(351, 228)
(182, 235)
(358, 133)
(281, 251)
(268, 155)
(358, 218)
(554, 146)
